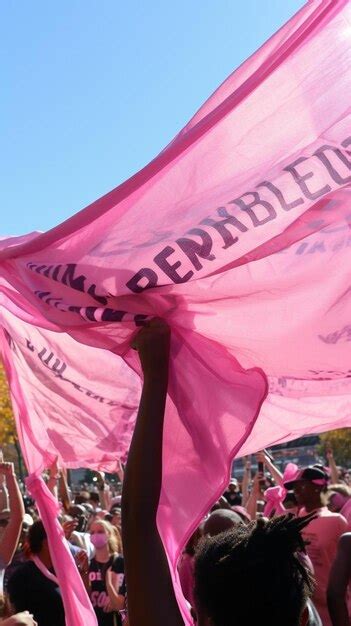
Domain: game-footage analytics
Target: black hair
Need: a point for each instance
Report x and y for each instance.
(82, 497)
(258, 564)
(36, 536)
(94, 497)
(115, 510)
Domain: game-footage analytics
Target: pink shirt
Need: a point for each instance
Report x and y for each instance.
(323, 534)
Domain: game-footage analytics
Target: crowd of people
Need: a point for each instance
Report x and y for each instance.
(271, 551)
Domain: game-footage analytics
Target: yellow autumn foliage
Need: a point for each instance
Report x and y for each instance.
(340, 442)
(7, 422)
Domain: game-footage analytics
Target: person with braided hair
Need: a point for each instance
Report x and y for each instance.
(258, 562)
(261, 562)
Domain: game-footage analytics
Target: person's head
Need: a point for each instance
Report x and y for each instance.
(308, 486)
(116, 516)
(88, 508)
(82, 498)
(337, 496)
(94, 500)
(233, 486)
(104, 535)
(78, 513)
(346, 477)
(221, 520)
(37, 542)
(242, 512)
(258, 563)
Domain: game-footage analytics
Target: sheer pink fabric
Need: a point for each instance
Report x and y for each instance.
(237, 234)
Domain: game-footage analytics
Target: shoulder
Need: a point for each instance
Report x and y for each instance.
(333, 518)
(118, 564)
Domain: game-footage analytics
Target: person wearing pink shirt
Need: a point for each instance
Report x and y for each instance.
(321, 534)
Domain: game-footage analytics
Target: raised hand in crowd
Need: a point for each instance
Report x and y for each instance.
(246, 480)
(254, 497)
(151, 598)
(104, 491)
(334, 474)
(266, 459)
(54, 475)
(11, 534)
(64, 491)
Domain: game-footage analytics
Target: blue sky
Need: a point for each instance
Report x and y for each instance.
(91, 90)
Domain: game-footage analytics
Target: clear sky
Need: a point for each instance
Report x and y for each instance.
(91, 90)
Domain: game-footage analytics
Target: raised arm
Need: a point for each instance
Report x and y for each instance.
(12, 531)
(64, 490)
(251, 504)
(269, 465)
(54, 475)
(334, 474)
(151, 598)
(340, 577)
(104, 491)
(246, 481)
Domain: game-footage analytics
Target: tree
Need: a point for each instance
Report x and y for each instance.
(340, 442)
(7, 422)
(8, 432)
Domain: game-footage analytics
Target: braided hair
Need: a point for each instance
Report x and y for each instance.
(252, 576)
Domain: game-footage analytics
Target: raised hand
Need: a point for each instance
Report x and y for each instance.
(153, 344)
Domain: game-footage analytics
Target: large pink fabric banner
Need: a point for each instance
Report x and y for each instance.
(238, 234)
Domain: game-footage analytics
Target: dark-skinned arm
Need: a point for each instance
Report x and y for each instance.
(340, 576)
(64, 490)
(151, 598)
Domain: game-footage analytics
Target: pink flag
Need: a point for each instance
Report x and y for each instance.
(238, 235)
